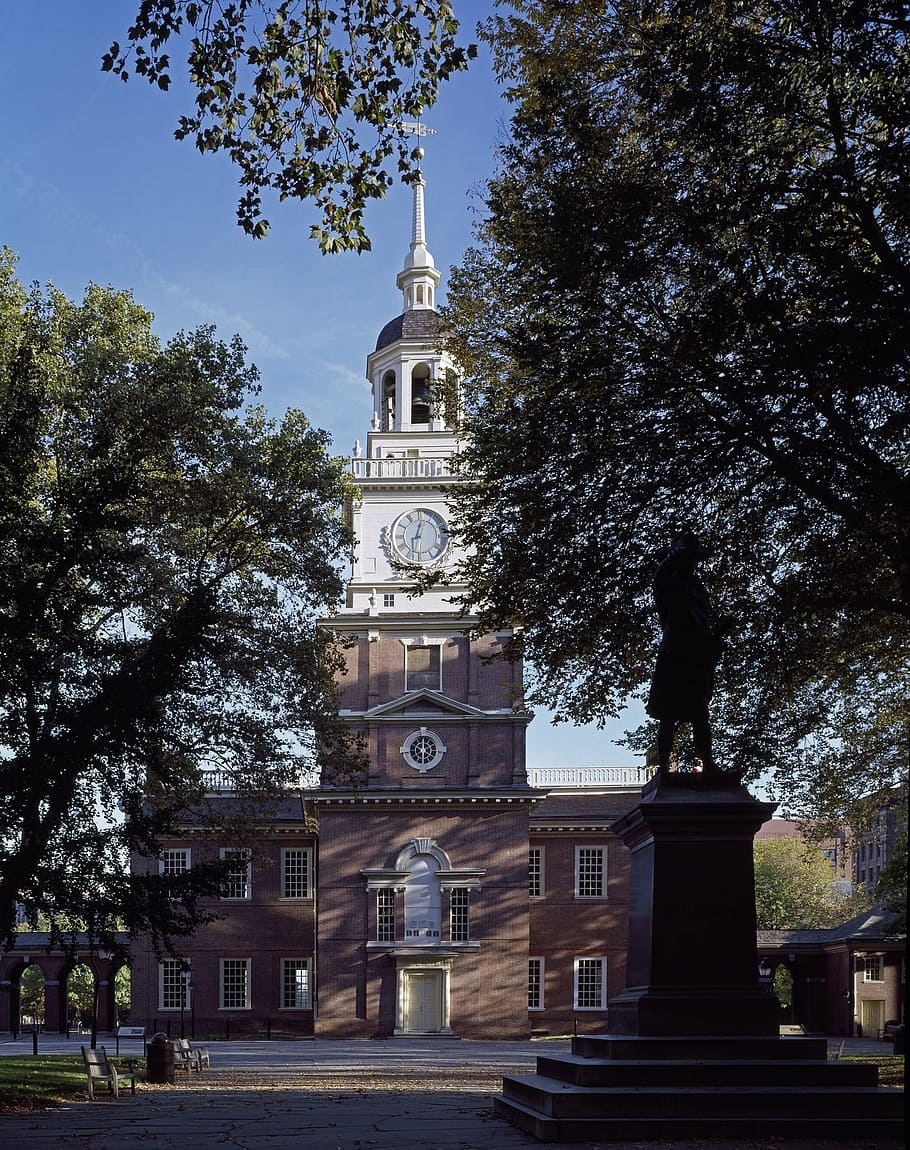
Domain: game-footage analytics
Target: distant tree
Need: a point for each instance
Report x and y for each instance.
(31, 994)
(306, 98)
(795, 888)
(163, 555)
(688, 308)
(891, 887)
(80, 991)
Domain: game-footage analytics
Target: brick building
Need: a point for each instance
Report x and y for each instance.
(446, 895)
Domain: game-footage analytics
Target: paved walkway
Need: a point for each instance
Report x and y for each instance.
(319, 1095)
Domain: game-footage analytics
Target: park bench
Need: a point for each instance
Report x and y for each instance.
(188, 1057)
(137, 1032)
(100, 1069)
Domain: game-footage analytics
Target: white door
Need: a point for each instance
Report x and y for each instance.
(424, 1002)
(872, 1016)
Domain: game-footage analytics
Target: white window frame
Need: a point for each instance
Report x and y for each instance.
(541, 852)
(307, 853)
(602, 851)
(541, 967)
(436, 683)
(240, 854)
(170, 975)
(583, 961)
(388, 599)
(222, 966)
(873, 965)
(423, 734)
(169, 854)
(303, 963)
(386, 914)
(459, 915)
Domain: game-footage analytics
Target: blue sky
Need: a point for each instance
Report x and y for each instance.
(93, 187)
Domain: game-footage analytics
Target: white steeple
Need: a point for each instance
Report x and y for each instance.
(419, 277)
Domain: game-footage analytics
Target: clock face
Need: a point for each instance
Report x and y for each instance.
(420, 536)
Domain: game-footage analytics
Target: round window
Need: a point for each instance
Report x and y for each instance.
(423, 750)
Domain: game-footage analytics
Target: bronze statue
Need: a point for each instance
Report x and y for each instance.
(689, 650)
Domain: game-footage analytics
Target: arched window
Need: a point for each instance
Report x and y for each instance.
(420, 394)
(388, 401)
(422, 900)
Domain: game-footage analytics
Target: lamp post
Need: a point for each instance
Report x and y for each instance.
(186, 985)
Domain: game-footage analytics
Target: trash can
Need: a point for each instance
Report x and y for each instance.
(160, 1059)
(898, 1040)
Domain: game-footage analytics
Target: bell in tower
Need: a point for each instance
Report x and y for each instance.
(420, 395)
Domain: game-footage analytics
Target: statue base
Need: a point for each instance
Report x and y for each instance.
(692, 966)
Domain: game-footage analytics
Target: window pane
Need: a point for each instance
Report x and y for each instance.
(589, 983)
(295, 983)
(174, 986)
(175, 861)
(385, 914)
(458, 907)
(535, 983)
(535, 872)
(235, 983)
(236, 883)
(423, 668)
(590, 877)
(295, 881)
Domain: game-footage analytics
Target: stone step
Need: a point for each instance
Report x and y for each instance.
(555, 1099)
(880, 1132)
(580, 1071)
(674, 1048)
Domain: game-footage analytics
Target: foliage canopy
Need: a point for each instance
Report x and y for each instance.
(796, 889)
(688, 309)
(306, 97)
(163, 555)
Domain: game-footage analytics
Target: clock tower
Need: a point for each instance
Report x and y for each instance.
(423, 870)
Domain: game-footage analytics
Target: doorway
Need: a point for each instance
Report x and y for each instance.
(872, 1017)
(423, 1001)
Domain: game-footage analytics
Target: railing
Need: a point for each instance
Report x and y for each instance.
(423, 467)
(546, 778)
(217, 781)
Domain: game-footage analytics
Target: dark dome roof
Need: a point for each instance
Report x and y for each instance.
(420, 323)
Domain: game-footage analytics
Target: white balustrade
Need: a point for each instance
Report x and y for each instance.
(546, 778)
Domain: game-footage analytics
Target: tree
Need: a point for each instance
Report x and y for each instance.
(688, 308)
(891, 887)
(163, 554)
(795, 888)
(306, 98)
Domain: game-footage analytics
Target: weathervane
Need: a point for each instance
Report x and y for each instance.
(415, 128)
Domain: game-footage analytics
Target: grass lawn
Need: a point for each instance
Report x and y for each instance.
(30, 1083)
(890, 1066)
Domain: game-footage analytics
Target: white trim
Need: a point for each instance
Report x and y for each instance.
(603, 871)
(603, 980)
(308, 961)
(538, 958)
(249, 982)
(175, 850)
(541, 872)
(311, 886)
(183, 964)
(423, 733)
(240, 853)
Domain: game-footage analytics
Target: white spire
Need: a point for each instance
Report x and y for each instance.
(419, 277)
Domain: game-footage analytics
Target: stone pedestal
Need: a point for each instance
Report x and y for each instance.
(693, 1049)
(692, 966)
